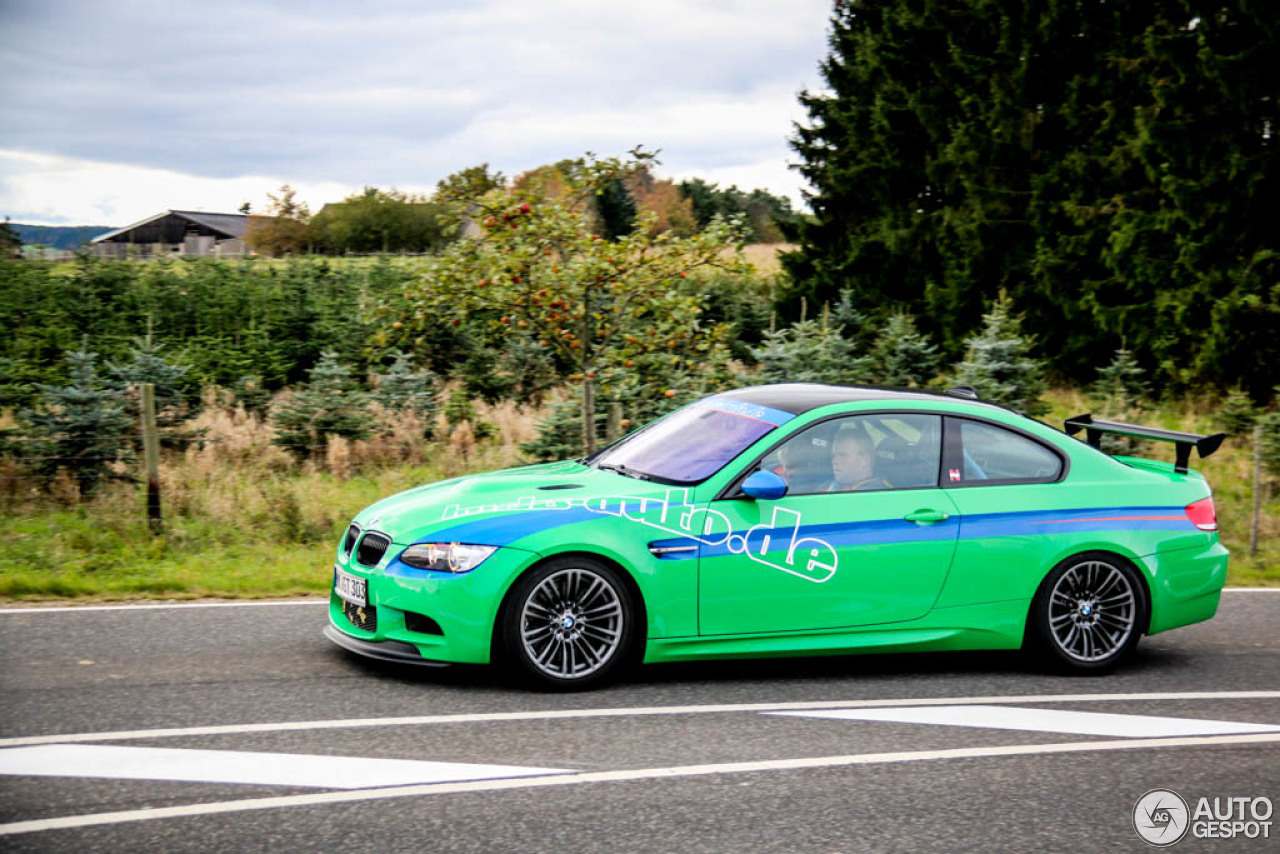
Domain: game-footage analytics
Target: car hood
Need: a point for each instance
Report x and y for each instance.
(501, 507)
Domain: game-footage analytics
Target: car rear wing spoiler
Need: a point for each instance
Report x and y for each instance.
(1094, 428)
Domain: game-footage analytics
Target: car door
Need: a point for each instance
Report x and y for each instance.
(1006, 484)
(833, 552)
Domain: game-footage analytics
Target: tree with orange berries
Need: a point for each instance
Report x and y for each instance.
(537, 269)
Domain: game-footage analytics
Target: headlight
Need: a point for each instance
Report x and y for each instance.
(446, 557)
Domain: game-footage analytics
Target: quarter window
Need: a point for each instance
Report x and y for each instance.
(990, 454)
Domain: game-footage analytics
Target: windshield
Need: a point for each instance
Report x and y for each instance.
(693, 443)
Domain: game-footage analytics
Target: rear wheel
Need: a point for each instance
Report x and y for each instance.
(1090, 613)
(570, 624)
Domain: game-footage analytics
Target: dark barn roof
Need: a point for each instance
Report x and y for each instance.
(173, 226)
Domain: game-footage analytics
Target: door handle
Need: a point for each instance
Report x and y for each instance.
(926, 516)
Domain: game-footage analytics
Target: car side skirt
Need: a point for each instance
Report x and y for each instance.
(992, 625)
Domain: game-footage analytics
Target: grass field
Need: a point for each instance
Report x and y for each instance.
(244, 520)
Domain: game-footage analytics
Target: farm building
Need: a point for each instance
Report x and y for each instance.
(176, 233)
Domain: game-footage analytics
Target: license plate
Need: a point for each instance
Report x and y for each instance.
(350, 587)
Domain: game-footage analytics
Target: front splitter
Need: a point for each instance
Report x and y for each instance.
(401, 653)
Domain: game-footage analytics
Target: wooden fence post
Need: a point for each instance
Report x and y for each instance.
(1257, 488)
(151, 456)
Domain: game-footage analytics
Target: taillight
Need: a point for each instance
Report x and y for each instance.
(1202, 514)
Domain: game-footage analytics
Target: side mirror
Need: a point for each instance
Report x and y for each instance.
(764, 484)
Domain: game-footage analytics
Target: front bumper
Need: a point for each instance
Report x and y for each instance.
(463, 608)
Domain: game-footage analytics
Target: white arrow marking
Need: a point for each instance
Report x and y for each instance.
(1040, 720)
(589, 777)
(234, 766)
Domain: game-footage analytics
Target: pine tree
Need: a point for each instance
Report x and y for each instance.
(10, 242)
(999, 367)
(902, 356)
(250, 392)
(81, 427)
(1112, 166)
(1237, 414)
(1269, 422)
(330, 404)
(560, 431)
(402, 388)
(1121, 385)
(147, 365)
(1120, 392)
(811, 352)
(616, 209)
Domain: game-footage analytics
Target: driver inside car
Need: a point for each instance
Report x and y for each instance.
(852, 454)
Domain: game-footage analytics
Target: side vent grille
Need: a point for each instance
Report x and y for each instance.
(422, 624)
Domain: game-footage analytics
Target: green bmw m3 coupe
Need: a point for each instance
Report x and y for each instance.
(791, 519)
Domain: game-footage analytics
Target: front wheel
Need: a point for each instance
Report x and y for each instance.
(1089, 613)
(569, 624)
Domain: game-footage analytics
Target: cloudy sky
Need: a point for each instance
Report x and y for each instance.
(110, 112)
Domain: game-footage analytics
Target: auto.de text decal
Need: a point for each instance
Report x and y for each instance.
(805, 557)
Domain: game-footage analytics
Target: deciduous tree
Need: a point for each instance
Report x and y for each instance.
(539, 271)
(284, 230)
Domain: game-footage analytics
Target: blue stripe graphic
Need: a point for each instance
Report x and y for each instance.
(1045, 522)
(507, 528)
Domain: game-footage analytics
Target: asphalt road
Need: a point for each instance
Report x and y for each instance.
(679, 758)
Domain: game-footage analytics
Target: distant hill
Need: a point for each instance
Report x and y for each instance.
(58, 236)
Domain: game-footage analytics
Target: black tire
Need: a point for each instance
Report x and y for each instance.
(570, 624)
(1089, 614)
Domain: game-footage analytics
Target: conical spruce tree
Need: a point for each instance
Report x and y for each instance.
(1120, 393)
(811, 352)
(901, 356)
(330, 404)
(146, 365)
(402, 388)
(81, 427)
(998, 366)
(1237, 414)
(1112, 166)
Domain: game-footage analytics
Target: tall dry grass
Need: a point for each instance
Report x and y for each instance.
(235, 479)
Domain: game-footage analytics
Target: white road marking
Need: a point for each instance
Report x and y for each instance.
(323, 798)
(234, 766)
(62, 609)
(67, 609)
(1041, 720)
(641, 711)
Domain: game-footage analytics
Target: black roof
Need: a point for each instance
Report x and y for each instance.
(172, 226)
(798, 398)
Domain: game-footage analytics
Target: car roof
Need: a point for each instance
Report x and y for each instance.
(798, 398)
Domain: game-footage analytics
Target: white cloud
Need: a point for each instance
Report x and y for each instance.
(42, 188)
(208, 110)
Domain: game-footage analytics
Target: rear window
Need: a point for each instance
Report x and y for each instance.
(991, 454)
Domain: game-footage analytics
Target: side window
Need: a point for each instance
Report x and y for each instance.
(861, 453)
(990, 454)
